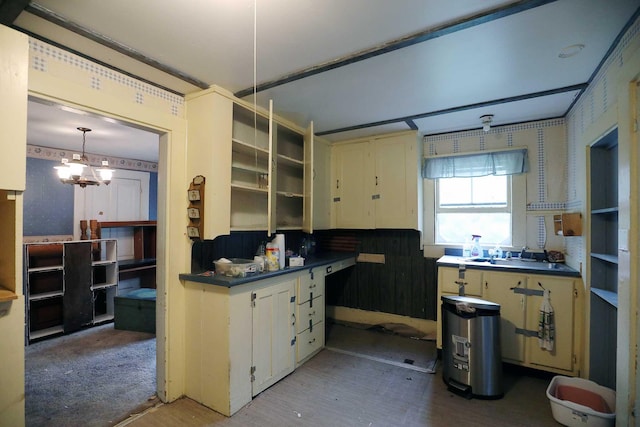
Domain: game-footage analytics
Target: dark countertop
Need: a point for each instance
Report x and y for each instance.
(310, 262)
(513, 265)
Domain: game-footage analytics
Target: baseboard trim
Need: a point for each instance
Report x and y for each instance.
(354, 315)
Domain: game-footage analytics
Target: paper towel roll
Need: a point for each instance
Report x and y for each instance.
(279, 240)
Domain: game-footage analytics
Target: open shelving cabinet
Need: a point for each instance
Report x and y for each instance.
(603, 258)
(141, 263)
(68, 285)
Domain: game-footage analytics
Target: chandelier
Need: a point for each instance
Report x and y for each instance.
(71, 171)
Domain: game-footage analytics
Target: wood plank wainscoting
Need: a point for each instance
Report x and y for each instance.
(405, 284)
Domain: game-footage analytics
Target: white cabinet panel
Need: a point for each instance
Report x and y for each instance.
(499, 289)
(273, 334)
(376, 183)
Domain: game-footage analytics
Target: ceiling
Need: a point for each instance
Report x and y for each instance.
(354, 68)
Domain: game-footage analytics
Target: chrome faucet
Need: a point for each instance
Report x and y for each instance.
(522, 252)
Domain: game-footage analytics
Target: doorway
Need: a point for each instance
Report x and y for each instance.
(53, 126)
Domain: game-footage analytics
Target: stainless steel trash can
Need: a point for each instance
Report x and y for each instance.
(472, 360)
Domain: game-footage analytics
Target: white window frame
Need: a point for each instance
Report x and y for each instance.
(478, 209)
(518, 216)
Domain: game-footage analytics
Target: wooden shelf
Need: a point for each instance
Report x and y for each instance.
(605, 211)
(249, 188)
(290, 161)
(45, 269)
(7, 295)
(41, 333)
(567, 224)
(605, 257)
(116, 224)
(45, 295)
(608, 296)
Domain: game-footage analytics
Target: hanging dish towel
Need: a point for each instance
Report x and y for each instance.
(546, 323)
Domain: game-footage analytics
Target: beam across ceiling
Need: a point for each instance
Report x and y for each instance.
(409, 119)
(54, 18)
(10, 9)
(400, 43)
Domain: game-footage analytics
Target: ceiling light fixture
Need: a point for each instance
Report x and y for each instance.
(486, 120)
(71, 171)
(569, 51)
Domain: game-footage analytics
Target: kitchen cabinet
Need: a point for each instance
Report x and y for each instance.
(274, 331)
(258, 166)
(603, 258)
(376, 182)
(240, 340)
(520, 297)
(69, 285)
(310, 326)
(498, 288)
(318, 175)
(568, 327)
(245, 334)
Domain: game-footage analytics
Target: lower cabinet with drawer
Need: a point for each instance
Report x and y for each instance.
(244, 337)
(310, 326)
(520, 296)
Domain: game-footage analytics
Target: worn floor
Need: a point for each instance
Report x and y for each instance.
(367, 378)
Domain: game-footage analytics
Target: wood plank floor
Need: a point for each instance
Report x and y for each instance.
(342, 389)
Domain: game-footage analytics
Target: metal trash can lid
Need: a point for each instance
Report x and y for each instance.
(471, 302)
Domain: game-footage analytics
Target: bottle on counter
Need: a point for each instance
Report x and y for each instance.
(476, 249)
(273, 257)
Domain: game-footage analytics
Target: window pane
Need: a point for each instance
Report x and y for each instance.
(457, 228)
(490, 190)
(454, 191)
(487, 191)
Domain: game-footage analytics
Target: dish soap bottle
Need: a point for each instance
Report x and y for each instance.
(476, 249)
(497, 251)
(466, 249)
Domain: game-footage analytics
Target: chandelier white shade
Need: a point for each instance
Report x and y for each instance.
(73, 171)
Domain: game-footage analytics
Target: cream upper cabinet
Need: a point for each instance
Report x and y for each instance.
(353, 173)
(395, 192)
(318, 177)
(13, 108)
(254, 165)
(376, 182)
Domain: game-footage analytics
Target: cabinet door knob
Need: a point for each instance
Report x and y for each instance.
(293, 318)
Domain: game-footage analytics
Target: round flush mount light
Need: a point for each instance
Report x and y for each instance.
(569, 51)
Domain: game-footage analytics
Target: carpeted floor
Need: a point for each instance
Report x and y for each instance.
(95, 377)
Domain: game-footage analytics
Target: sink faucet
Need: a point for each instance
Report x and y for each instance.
(523, 251)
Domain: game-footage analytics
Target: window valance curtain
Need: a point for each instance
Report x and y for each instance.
(508, 162)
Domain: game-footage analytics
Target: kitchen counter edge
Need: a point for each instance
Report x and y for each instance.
(311, 262)
(515, 267)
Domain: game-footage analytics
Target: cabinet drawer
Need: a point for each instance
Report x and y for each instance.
(471, 278)
(309, 313)
(309, 341)
(309, 288)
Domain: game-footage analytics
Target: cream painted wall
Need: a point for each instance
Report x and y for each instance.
(13, 119)
(546, 182)
(60, 77)
(608, 103)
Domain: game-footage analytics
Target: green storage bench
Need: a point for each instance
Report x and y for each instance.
(136, 311)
